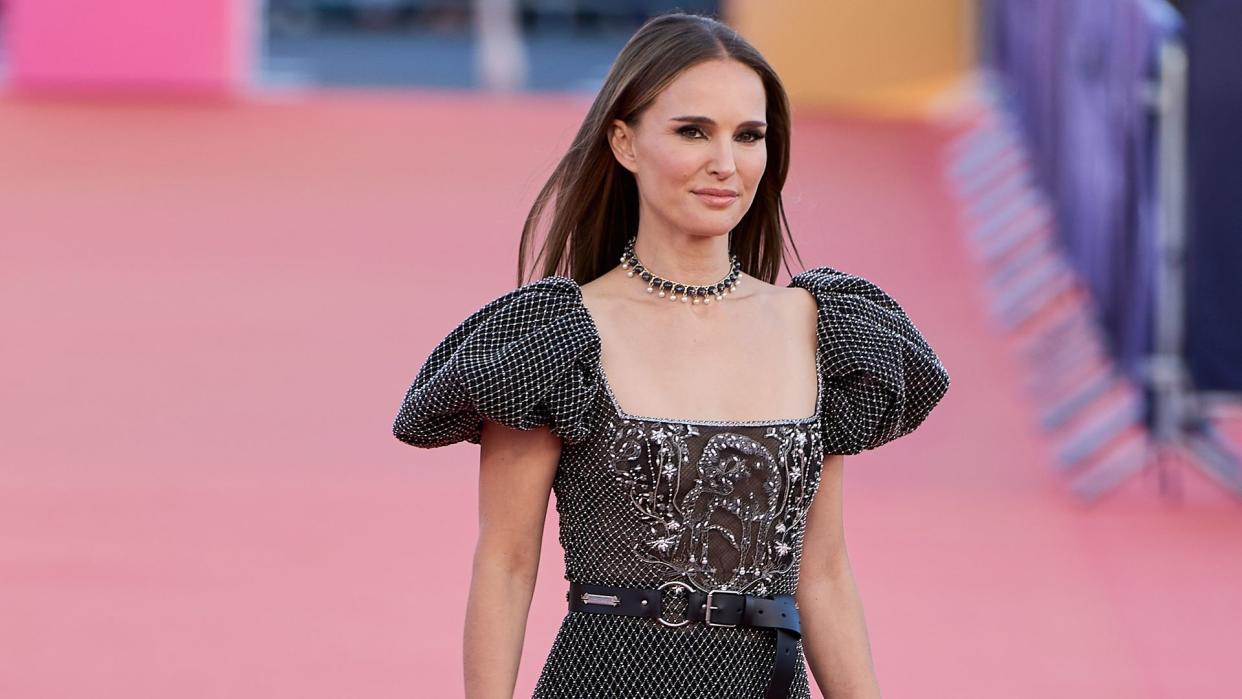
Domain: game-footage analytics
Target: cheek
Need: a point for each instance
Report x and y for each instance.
(750, 165)
(666, 174)
(674, 166)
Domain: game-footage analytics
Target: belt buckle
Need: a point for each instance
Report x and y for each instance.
(707, 615)
(661, 618)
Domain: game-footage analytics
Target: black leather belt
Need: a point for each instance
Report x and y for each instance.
(714, 608)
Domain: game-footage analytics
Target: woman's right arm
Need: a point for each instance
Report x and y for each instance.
(516, 469)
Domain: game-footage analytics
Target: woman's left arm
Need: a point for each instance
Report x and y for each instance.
(834, 632)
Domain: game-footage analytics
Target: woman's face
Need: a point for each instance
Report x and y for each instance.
(697, 152)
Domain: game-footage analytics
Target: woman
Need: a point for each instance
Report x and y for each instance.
(704, 552)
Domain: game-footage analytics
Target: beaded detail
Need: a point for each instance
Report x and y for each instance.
(700, 294)
(728, 519)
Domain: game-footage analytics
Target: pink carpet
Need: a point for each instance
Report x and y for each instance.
(211, 314)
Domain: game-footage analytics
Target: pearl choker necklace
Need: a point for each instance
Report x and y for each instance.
(671, 289)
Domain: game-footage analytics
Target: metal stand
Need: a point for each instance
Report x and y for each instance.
(1181, 433)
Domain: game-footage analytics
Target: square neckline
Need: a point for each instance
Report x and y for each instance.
(625, 415)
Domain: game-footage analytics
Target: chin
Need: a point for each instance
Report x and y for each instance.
(712, 225)
(710, 230)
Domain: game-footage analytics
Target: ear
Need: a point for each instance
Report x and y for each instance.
(621, 140)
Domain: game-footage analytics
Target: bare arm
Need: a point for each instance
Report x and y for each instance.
(834, 632)
(516, 468)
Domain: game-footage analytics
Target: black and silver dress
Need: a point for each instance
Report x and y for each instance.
(646, 500)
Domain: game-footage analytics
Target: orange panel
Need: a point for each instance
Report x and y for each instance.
(891, 57)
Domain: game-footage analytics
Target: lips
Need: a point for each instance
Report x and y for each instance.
(716, 198)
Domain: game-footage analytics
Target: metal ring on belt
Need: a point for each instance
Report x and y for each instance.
(714, 608)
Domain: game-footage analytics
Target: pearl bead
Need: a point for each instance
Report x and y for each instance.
(629, 273)
(650, 289)
(661, 293)
(696, 301)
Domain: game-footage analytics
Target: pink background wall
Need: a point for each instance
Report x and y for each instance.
(176, 45)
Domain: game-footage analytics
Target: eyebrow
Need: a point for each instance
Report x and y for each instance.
(709, 122)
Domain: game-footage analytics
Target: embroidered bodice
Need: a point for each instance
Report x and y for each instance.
(647, 500)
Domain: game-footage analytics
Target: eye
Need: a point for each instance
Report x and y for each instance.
(693, 132)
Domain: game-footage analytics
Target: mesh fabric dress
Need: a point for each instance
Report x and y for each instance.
(647, 500)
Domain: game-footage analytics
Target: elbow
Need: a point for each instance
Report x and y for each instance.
(515, 561)
(825, 589)
(827, 570)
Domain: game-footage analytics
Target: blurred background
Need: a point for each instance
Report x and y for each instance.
(231, 231)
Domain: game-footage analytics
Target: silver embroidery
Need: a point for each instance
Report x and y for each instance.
(728, 519)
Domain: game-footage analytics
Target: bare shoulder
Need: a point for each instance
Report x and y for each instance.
(791, 302)
(601, 293)
(792, 312)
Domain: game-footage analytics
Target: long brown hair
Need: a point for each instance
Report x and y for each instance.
(595, 199)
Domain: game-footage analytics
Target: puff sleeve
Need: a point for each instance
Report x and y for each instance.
(880, 377)
(526, 359)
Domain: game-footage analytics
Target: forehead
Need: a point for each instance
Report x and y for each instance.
(724, 90)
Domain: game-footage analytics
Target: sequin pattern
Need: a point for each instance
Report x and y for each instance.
(645, 500)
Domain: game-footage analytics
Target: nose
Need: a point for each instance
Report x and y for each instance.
(722, 164)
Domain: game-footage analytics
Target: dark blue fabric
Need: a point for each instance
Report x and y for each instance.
(1105, 186)
(1214, 253)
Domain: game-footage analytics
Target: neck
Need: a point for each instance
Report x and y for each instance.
(686, 259)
